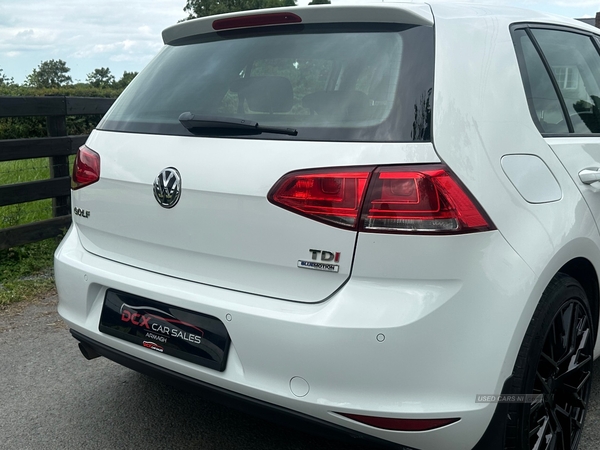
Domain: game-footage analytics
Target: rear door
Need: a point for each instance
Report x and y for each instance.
(561, 70)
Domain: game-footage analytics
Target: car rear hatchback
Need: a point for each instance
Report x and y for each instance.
(263, 213)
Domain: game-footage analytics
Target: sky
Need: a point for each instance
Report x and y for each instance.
(124, 35)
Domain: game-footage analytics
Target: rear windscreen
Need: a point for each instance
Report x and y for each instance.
(365, 83)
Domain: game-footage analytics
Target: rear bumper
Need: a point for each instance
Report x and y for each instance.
(268, 411)
(491, 440)
(387, 348)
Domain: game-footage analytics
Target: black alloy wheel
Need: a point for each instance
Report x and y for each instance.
(554, 369)
(563, 380)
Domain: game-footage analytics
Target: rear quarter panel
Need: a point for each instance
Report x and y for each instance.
(480, 115)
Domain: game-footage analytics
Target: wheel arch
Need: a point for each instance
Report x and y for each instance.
(584, 272)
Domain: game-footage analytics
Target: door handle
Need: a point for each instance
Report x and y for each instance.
(590, 175)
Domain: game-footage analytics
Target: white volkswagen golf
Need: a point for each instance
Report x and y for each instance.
(379, 218)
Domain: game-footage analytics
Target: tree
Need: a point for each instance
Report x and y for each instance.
(49, 74)
(202, 8)
(4, 80)
(320, 2)
(101, 78)
(126, 79)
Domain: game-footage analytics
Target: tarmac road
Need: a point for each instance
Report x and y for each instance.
(52, 398)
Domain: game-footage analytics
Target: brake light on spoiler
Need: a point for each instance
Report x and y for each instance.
(425, 199)
(256, 20)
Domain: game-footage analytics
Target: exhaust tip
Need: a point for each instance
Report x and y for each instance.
(88, 352)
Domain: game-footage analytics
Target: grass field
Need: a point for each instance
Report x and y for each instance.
(12, 172)
(25, 271)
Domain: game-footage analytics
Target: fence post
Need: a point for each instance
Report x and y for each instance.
(56, 148)
(59, 165)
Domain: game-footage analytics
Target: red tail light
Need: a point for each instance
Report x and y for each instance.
(332, 196)
(86, 169)
(390, 423)
(398, 199)
(419, 199)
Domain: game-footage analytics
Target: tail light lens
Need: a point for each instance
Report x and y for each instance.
(332, 196)
(86, 169)
(397, 199)
(419, 199)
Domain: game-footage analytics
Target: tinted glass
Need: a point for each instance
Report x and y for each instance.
(543, 99)
(355, 85)
(575, 63)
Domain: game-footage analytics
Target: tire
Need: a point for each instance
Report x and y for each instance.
(554, 364)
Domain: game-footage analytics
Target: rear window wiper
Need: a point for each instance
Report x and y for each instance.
(214, 126)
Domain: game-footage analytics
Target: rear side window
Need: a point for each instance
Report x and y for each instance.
(543, 98)
(339, 84)
(562, 78)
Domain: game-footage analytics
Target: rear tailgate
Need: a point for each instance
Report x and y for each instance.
(223, 231)
(348, 87)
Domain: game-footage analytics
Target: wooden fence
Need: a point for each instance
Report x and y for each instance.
(57, 147)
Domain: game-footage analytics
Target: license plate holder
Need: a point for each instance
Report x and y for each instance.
(184, 334)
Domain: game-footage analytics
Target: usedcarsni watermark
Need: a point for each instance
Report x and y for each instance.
(509, 398)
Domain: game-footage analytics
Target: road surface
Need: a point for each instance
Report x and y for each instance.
(52, 398)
